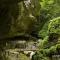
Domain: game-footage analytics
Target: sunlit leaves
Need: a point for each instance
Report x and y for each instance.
(54, 26)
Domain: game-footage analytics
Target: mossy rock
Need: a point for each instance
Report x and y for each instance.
(23, 57)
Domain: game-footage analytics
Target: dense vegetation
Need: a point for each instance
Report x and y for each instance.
(50, 31)
(37, 18)
(50, 45)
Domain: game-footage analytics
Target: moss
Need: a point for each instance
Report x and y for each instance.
(23, 57)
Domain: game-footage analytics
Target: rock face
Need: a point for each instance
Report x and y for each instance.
(18, 17)
(22, 45)
(26, 17)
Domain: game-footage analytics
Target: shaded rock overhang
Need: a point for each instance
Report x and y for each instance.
(19, 37)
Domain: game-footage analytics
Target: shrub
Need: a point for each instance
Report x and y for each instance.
(54, 26)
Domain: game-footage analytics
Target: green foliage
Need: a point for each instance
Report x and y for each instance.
(40, 56)
(23, 57)
(49, 10)
(51, 6)
(52, 49)
(43, 43)
(50, 44)
(54, 26)
(44, 31)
